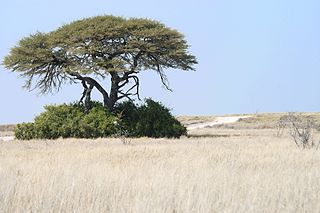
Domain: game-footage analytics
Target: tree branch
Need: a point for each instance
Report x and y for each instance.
(127, 93)
(90, 81)
(85, 88)
(162, 75)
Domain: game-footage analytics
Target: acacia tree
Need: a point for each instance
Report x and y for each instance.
(92, 49)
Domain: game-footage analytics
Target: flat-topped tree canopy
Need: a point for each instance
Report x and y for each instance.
(96, 47)
(33, 58)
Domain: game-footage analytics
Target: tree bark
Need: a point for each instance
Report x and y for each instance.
(85, 87)
(117, 83)
(86, 95)
(93, 83)
(115, 80)
(87, 100)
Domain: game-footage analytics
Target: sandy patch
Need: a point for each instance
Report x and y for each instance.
(6, 138)
(217, 121)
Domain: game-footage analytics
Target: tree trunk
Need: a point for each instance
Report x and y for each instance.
(115, 80)
(108, 101)
(87, 104)
(86, 95)
(93, 83)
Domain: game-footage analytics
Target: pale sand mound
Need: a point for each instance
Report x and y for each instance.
(6, 138)
(217, 121)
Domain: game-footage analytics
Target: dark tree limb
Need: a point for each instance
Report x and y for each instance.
(162, 75)
(85, 88)
(86, 95)
(47, 76)
(94, 83)
(128, 93)
(87, 101)
(164, 78)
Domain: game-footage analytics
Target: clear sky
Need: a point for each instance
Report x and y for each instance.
(254, 55)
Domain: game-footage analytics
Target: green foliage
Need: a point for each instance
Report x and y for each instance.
(98, 123)
(58, 121)
(25, 131)
(157, 121)
(98, 45)
(151, 119)
(69, 121)
(129, 114)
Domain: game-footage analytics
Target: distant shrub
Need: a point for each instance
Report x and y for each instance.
(301, 129)
(151, 119)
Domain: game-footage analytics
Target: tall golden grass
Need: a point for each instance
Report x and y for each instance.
(228, 174)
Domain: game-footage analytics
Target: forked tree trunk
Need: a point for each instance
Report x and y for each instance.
(109, 101)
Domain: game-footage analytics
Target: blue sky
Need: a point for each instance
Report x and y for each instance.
(254, 55)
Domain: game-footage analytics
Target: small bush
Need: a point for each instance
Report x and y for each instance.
(25, 131)
(98, 123)
(69, 120)
(59, 121)
(301, 129)
(128, 113)
(151, 119)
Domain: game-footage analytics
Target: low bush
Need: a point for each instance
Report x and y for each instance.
(59, 121)
(301, 129)
(150, 119)
(128, 112)
(98, 123)
(25, 131)
(69, 120)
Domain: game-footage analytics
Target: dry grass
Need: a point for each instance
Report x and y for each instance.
(255, 121)
(7, 128)
(187, 120)
(6, 133)
(229, 132)
(234, 174)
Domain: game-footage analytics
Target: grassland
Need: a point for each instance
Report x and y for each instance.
(236, 169)
(7, 130)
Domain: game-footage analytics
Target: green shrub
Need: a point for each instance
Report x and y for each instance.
(98, 123)
(25, 131)
(128, 112)
(156, 121)
(69, 120)
(151, 119)
(59, 121)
